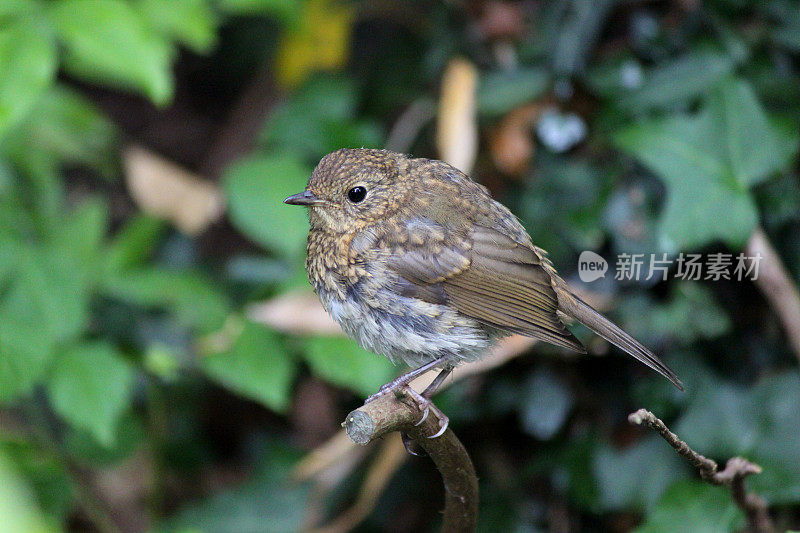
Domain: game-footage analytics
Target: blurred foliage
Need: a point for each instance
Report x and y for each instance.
(127, 349)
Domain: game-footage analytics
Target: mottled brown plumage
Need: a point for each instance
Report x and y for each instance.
(418, 263)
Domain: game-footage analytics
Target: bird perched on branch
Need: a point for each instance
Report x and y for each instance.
(418, 263)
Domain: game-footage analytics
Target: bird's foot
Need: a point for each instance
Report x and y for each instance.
(426, 406)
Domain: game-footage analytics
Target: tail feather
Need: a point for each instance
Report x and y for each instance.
(573, 306)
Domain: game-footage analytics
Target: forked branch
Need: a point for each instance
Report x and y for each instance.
(736, 469)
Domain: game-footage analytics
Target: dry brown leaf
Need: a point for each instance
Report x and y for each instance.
(511, 144)
(456, 125)
(297, 313)
(166, 190)
(501, 20)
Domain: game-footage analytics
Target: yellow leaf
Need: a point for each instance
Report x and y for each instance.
(319, 41)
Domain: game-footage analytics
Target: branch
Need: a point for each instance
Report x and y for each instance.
(736, 469)
(390, 413)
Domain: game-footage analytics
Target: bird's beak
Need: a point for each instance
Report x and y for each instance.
(303, 198)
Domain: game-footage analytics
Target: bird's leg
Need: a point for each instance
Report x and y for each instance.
(406, 378)
(431, 389)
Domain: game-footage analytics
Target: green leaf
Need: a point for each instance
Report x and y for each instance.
(690, 314)
(257, 366)
(194, 300)
(66, 128)
(502, 91)
(18, 505)
(255, 188)
(341, 361)
(191, 22)
(28, 67)
(694, 506)
(720, 421)
(708, 161)
(91, 387)
(129, 436)
(669, 83)
(754, 148)
(49, 477)
(11, 8)
(270, 493)
(25, 355)
(703, 202)
(107, 41)
(777, 446)
(50, 291)
(320, 117)
(82, 232)
(134, 243)
(636, 476)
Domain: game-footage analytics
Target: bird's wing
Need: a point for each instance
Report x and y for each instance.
(485, 275)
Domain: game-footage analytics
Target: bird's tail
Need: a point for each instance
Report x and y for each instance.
(576, 308)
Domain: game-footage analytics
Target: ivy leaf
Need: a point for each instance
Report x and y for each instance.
(636, 476)
(754, 149)
(18, 504)
(708, 161)
(680, 80)
(694, 506)
(91, 388)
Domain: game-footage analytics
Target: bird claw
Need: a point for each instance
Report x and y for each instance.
(407, 441)
(444, 422)
(425, 414)
(427, 405)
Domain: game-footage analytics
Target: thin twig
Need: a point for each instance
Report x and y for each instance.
(390, 413)
(736, 469)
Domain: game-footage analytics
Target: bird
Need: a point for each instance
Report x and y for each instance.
(418, 263)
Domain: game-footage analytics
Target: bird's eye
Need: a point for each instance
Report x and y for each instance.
(356, 194)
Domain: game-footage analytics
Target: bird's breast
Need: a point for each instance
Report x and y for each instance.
(401, 328)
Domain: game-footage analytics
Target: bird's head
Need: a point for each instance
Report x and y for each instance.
(353, 188)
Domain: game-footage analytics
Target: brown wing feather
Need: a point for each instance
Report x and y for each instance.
(491, 278)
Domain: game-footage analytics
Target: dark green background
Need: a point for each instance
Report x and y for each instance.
(107, 380)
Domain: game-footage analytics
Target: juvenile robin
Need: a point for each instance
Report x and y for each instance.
(418, 263)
